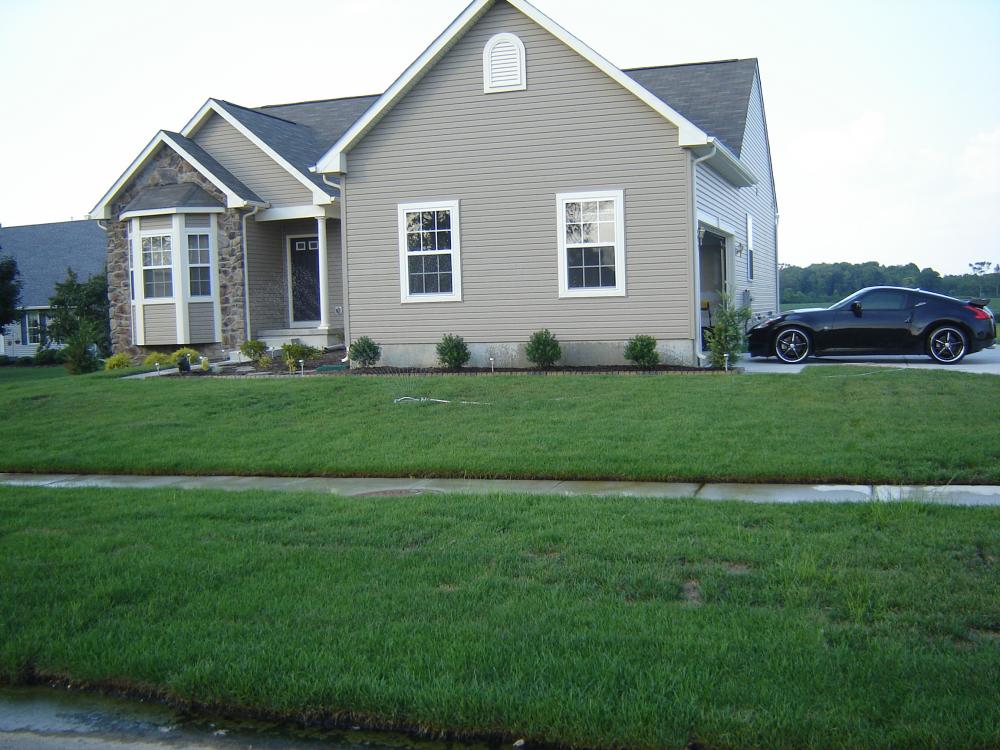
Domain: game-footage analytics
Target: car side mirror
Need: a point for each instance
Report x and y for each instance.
(856, 308)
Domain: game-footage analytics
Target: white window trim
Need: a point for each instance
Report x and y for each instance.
(522, 84)
(194, 231)
(172, 266)
(456, 253)
(596, 195)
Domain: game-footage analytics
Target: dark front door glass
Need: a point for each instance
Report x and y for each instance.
(305, 278)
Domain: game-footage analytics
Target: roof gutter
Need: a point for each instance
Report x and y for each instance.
(725, 163)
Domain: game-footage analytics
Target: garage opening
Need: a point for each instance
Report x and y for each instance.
(714, 276)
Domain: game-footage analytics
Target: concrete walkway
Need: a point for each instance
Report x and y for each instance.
(373, 487)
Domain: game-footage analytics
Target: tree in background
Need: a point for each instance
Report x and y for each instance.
(980, 269)
(10, 290)
(81, 307)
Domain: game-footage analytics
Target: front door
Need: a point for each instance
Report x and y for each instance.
(303, 280)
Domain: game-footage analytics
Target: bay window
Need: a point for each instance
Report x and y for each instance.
(157, 266)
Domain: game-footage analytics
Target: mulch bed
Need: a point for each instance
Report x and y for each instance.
(579, 370)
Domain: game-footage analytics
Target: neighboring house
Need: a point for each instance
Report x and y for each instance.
(510, 180)
(44, 255)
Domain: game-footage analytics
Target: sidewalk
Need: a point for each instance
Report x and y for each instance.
(373, 487)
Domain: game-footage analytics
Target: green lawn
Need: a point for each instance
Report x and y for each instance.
(582, 621)
(825, 425)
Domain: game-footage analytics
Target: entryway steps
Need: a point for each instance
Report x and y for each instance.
(968, 495)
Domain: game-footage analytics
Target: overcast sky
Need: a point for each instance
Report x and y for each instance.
(884, 117)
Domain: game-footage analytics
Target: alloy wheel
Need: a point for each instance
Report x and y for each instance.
(947, 345)
(791, 346)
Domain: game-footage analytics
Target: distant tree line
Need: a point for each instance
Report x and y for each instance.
(829, 282)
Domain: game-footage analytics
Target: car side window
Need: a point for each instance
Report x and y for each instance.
(886, 300)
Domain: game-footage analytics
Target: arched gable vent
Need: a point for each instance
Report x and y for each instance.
(503, 64)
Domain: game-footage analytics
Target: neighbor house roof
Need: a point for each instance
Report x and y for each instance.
(713, 95)
(45, 251)
(181, 195)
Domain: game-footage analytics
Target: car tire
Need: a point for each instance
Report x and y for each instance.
(792, 345)
(947, 345)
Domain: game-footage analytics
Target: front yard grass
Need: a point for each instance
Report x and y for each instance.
(825, 425)
(581, 621)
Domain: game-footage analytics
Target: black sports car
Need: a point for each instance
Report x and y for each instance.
(879, 320)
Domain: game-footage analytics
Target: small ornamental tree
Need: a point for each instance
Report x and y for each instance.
(79, 351)
(10, 291)
(77, 302)
(641, 351)
(365, 352)
(543, 348)
(727, 336)
(253, 349)
(453, 352)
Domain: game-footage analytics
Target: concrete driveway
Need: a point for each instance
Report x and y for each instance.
(986, 362)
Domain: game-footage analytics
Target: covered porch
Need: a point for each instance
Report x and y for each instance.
(294, 281)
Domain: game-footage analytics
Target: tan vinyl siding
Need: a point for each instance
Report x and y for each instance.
(250, 165)
(504, 157)
(155, 223)
(268, 270)
(201, 322)
(160, 324)
(716, 197)
(197, 221)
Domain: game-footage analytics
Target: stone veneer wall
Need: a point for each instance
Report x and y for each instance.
(168, 168)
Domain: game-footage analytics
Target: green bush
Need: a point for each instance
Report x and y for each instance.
(185, 351)
(264, 361)
(5, 360)
(48, 356)
(365, 352)
(204, 365)
(24, 361)
(453, 352)
(728, 332)
(253, 349)
(295, 352)
(641, 351)
(543, 348)
(118, 361)
(80, 350)
(157, 358)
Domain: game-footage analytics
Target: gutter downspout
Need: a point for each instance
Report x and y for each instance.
(342, 191)
(246, 271)
(777, 266)
(696, 254)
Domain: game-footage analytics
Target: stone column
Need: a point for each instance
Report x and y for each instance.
(324, 270)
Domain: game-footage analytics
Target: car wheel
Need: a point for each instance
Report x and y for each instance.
(792, 345)
(947, 345)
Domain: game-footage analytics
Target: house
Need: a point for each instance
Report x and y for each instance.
(44, 254)
(511, 179)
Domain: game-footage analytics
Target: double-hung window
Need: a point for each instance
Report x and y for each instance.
(157, 266)
(591, 244)
(429, 252)
(36, 326)
(199, 265)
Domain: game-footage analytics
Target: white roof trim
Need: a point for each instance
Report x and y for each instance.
(335, 159)
(100, 211)
(165, 211)
(212, 106)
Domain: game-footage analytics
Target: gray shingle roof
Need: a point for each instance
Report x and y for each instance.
(221, 173)
(181, 195)
(712, 95)
(44, 251)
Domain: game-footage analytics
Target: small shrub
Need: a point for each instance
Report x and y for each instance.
(5, 360)
(48, 356)
(80, 350)
(185, 351)
(728, 332)
(253, 349)
(24, 361)
(157, 358)
(264, 361)
(292, 365)
(543, 348)
(365, 352)
(118, 361)
(205, 365)
(296, 352)
(641, 351)
(453, 352)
